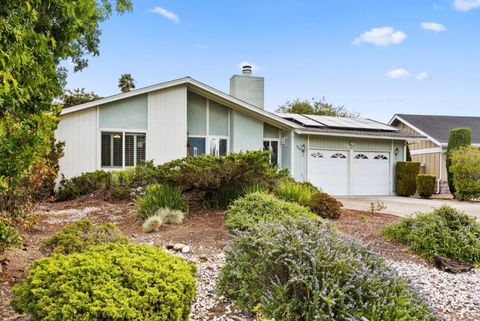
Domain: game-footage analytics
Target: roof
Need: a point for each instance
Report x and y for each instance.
(395, 135)
(437, 128)
(197, 87)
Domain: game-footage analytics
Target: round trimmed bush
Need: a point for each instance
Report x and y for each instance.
(108, 282)
(295, 269)
(406, 178)
(325, 205)
(426, 185)
(246, 212)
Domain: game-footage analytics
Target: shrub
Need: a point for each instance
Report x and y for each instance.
(406, 178)
(458, 137)
(325, 205)
(226, 194)
(108, 282)
(160, 196)
(294, 269)
(84, 184)
(162, 216)
(445, 231)
(291, 191)
(121, 182)
(246, 212)
(8, 236)
(79, 236)
(426, 185)
(466, 172)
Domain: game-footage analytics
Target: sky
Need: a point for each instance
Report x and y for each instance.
(375, 57)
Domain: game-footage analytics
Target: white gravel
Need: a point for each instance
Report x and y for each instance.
(448, 294)
(70, 215)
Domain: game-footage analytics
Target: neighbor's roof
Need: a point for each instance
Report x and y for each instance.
(437, 128)
(199, 88)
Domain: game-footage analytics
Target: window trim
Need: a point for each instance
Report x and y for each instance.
(278, 148)
(123, 131)
(207, 144)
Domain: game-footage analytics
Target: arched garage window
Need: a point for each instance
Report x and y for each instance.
(379, 156)
(361, 156)
(338, 155)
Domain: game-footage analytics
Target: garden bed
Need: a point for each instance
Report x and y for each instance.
(454, 297)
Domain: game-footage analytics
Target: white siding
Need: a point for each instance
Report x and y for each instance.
(78, 131)
(167, 125)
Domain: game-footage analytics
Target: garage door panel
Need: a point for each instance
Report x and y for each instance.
(328, 170)
(370, 174)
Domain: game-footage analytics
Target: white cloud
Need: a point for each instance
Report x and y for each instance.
(466, 5)
(167, 14)
(433, 26)
(397, 73)
(423, 76)
(248, 63)
(384, 36)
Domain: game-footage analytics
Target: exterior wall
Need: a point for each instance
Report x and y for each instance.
(79, 132)
(246, 133)
(167, 125)
(248, 88)
(128, 113)
(270, 132)
(430, 163)
(300, 158)
(196, 114)
(217, 119)
(286, 149)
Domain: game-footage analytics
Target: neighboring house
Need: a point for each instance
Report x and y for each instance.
(432, 153)
(184, 117)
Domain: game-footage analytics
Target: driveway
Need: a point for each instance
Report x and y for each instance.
(405, 206)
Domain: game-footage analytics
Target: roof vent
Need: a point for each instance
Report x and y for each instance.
(247, 70)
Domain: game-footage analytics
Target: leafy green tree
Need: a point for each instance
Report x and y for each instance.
(458, 137)
(126, 83)
(35, 37)
(315, 106)
(466, 172)
(77, 96)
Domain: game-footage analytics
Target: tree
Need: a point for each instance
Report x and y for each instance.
(126, 83)
(465, 167)
(315, 107)
(77, 96)
(458, 137)
(35, 37)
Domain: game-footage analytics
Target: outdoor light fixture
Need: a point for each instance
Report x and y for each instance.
(396, 151)
(352, 143)
(301, 147)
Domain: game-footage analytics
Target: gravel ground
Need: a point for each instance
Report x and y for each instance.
(452, 296)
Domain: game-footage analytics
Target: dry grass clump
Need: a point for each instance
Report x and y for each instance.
(162, 216)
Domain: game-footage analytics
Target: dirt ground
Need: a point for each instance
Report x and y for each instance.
(204, 231)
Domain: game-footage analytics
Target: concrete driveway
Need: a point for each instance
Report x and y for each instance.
(405, 206)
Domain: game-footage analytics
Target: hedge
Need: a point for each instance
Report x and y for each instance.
(406, 178)
(426, 185)
(458, 137)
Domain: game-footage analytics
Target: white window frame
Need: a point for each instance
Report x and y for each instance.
(123, 132)
(278, 148)
(207, 144)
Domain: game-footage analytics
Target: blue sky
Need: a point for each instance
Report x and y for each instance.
(376, 57)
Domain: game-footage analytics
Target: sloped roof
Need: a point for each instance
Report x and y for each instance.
(377, 134)
(438, 127)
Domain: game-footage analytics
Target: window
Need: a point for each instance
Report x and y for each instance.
(380, 156)
(218, 146)
(272, 146)
(317, 155)
(338, 155)
(115, 145)
(361, 156)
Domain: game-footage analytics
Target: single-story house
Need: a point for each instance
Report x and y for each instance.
(184, 117)
(432, 152)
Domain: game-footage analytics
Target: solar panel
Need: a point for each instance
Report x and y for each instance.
(300, 119)
(357, 123)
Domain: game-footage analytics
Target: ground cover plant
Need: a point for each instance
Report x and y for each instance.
(81, 235)
(426, 185)
(445, 231)
(298, 269)
(248, 211)
(289, 190)
(160, 196)
(108, 282)
(8, 236)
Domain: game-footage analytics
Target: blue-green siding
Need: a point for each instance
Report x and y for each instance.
(130, 113)
(196, 114)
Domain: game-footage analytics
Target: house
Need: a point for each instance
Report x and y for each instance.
(432, 152)
(184, 117)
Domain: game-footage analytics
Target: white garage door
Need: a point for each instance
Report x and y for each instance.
(366, 173)
(370, 174)
(328, 170)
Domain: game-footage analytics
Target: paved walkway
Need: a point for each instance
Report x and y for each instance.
(405, 206)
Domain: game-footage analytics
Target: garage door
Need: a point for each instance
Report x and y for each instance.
(370, 174)
(366, 173)
(328, 170)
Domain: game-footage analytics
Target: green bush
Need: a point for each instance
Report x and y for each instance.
(458, 137)
(108, 282)
(426, 185)
(246, 212)
(445, 231)
(160, 196)
(289, 190)
(406, 178)
(295, 269)
(465, 169)
(79, 236)
(226, 194)
(8, 236)
(84, 184)
(325, 205)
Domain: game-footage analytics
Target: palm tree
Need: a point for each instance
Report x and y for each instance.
(126, 83)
